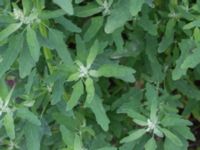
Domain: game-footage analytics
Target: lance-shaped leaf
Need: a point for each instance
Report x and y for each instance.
(10, 55)
(119, 16)
(56, 38)
(27, 6)
(33, 44)
(66, 5)
(117, 71)
(168, 38)
(134, 136)
(81, 49)
(96, 24)
(32, 136)
(151, 144)
(97, 108)
(78, 143)
(135, 6)
(93, 53)
(27, 115)
(67, 136)
(9, 30)
(90, 89)
(172, 137)
(78, 90)
(107, 148)
(8, 122)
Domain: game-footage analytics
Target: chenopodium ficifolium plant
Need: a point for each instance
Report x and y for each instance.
(71, 63)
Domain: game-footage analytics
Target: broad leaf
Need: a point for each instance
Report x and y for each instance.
(135, 6)
(151, 144)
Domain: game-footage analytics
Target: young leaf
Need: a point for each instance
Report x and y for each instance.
(134, 136)
(9, 30)
(66, 5)
(90, 89)
(117, 71)
(78, 90)
(172, 137)
(10, 55)
(33, 44)
(151, 144)
(32, 136)
(93, 53)
(8, 122)
(135, 6)
(97, 108)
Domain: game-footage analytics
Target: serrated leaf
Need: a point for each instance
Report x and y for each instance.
(117, 71)
(93, 53)
(135, 6)
(32, 136)
(56, 38)
(90, 90)
(78, 90)
(66, 5)
(9, 30)
(135, 135)
(172, 137)
(151, 144)
(33, 44)
(95, 25)
(100, 114)
(119, 16)
(10, 55)
(192, 60)
(27, 115)
(8, 123)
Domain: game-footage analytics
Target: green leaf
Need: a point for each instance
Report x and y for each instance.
(135, 135)
(195, 23)
(27, 115)
(56, 38)
(98, 109)
(90, 89)
(135, 6)
(8, 122)
(66, 5)
(9, 30)
(67, 136)
(81, 49)
(33, 44)
(192, 60)
(27, 6)
(78, 90)
(107, 148)
(57, 91)
(151, 144)
(168, 38)
(93, 53)
(77, 143)
(87, 10)
(26, 62)
(46, 14)
(68, 24)
(10, 55)
(186, 46)
(119, 16)
(172, 137)
(117, 71)
(95, 25)
(32, 136)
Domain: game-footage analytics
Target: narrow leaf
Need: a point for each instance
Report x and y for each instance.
(66, 5)
(78, 90)
(134, 136)
(8, 122)
(33, 44)
(93, 53)
(89, 86)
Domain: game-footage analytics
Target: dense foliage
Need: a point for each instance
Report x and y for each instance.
(99, 74)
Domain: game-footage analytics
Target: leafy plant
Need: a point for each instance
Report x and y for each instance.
(99, 74)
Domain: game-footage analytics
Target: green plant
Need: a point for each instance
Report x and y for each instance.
(99, 74)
